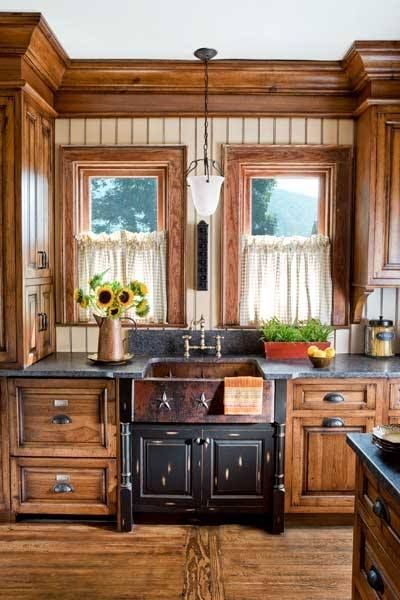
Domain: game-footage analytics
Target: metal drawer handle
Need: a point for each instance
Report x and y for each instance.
(61, 420)
(381, 511)
(375, 580)
(333, 422)
(333, 397)
(164, 402)
(63, 488)
(202, 401)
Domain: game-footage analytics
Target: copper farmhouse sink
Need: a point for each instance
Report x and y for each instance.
(181, 369)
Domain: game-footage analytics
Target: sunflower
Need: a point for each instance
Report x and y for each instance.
(105, 296)
(142, 308)
(125, 296)
(115, 311)
(144, 290)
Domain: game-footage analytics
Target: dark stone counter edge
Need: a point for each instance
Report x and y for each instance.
(344, 366)
(384, 467)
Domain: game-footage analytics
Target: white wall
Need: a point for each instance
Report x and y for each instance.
(223, 130)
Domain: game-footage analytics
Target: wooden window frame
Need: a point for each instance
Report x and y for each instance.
(77, 164)
(335, 166)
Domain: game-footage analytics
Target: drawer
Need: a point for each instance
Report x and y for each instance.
(380, 512)
(334, 395)
(64, 486)
(62, 417)
(374, 574)
(193, 402)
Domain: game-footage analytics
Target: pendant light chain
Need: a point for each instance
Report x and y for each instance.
(205, 147)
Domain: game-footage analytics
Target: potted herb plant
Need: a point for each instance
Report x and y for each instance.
(292, 340)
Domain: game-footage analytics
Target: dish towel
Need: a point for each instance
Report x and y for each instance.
(243, 395)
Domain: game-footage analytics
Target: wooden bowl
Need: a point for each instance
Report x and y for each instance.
(319, 362)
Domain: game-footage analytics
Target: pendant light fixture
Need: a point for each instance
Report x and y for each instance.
(205, 188)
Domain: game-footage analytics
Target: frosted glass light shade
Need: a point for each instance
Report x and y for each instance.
(205, 194)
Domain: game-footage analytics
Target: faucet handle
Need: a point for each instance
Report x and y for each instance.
(186, 337)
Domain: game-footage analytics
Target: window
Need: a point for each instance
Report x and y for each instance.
(286, 206)
(118, 199)
(128, 203)
(286, 233)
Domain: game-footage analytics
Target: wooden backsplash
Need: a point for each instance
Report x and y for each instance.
(189, 131)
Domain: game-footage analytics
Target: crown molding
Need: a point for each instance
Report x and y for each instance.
(30, 54)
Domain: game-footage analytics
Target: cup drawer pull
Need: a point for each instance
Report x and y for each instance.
(61, 420)
(63, 488)
(333, 422)
(333, 397)
(380, 509)
(375, 580)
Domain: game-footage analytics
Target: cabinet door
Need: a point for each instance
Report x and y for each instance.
(4, 451)
(46, 320)
(31, 324)
(37, 192)
(238, 468)
(8, 336)
(166, 468)
(323, 465)
(387, 217)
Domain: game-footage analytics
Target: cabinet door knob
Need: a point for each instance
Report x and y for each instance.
(381, 511)
(61, 420)
(164, 402)
(333, 397)
(63, 488)
(375, 580)
(333, 422)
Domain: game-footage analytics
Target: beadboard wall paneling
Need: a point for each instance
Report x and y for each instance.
(189, 131)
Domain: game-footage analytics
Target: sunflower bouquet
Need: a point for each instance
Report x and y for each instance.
(112, 299)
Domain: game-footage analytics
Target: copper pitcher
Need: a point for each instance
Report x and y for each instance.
(111, 344)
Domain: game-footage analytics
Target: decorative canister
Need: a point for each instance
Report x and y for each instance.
(379, 338)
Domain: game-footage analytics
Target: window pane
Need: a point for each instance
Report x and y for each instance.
(285, 206)
(128, 203)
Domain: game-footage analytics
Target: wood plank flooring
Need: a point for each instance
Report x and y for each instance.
(57, 561)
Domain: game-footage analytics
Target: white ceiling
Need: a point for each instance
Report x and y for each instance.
(255, 29)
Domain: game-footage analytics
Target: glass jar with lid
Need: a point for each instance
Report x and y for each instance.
(379, 338)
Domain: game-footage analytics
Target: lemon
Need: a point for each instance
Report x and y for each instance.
(319, 354)
(311, 350)
(330, 352)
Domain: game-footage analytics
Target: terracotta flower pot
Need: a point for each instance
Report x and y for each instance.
(288, 350)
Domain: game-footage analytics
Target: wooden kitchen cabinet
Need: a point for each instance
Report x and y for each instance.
(62, 446)
(377, 203)
(222, 468)
(4, 454)
(8, 274)
(319, 466)
(323, 466)
(37, 191)
(39, 322)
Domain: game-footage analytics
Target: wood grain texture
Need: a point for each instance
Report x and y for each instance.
(311, 444)
(172, 562)
(89, 405)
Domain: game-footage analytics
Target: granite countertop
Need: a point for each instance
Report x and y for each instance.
(385, 468)
(77, 365)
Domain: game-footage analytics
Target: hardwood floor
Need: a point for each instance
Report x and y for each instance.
(49, 561)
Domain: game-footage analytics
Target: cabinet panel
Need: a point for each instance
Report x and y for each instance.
(62, 417)
(334, 395)
(387, 223)
(8, 272)
(166, 465)
(64, 486)
(46, 323)
(31, 324)
(4, 454)
(37, 192)
(322, 464)
(238, 469)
